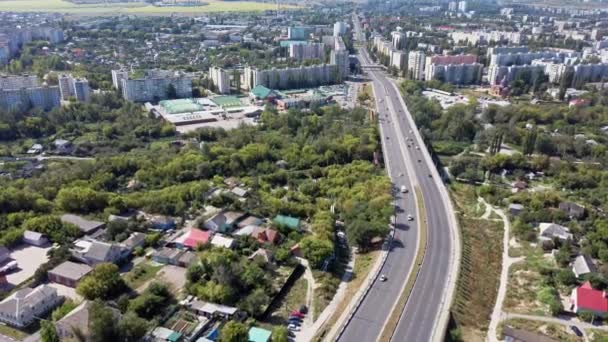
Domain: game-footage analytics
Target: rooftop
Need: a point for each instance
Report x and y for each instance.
(71, 270)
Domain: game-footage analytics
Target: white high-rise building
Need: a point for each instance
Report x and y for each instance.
(339, 28)
(220, 79)
(415, 64)
(118, 76)
(74, 87)
(398, 39)
(452, 6)
(398, 59)
(462, 6)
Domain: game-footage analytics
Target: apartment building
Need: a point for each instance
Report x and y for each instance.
(459, 74)
(302, 52)
(507, 59)
(398, 59)
(43, 97)
(339, 57)
(290, 78)
(398, 39)
(77, 88)
(220, 79)
(18, 82)
(339, 28)
(415, 64)
(153, 88)
(299, 32)
(497, 74)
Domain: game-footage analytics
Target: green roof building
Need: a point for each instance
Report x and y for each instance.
(260, 92)
(287, 221)
(259, 335)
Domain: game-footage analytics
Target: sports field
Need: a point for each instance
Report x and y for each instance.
(130, 8)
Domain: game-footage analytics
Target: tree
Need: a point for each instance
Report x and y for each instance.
(132, 328)
(234, 332)
(256, 302)
(103, 282)
(316, 250)
(48, 333)
(280, 334)
(103, 325)
(52, 227)
(80, 199)
(171, 92)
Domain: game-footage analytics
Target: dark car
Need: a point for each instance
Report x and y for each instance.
(576, 330)
(304, 309)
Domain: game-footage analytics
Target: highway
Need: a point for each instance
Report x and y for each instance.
(421, 318)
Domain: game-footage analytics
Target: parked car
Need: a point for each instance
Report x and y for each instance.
(304, 309)
(297, 313)
(293, 327)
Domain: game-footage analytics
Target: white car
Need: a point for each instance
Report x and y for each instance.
(383, 278)
(404, 189)
(417, 147)
(293, 327)
(410, 218)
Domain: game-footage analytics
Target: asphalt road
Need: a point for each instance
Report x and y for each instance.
(418, 320)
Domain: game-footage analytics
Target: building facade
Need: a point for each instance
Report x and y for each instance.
(302, 52)
(415, 65)
(156, 89)
(220, 79)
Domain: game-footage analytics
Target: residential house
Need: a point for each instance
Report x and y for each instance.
(160, 222)
(162, 334)
(240, 192)
(573, 210)
(220, 240)
(223, 222)
(249, 230)
(34, 238)
(35, 149)
(212, 310)
(259, 335)
(187, 259)
(69, 273)
(583, 265)
(587, 299)
(287, 221)
(26, 305)
(268, 235)
(249, 220)
(93, 252)
(550, 231)
(192, 238)
(518, 186)
(133, 241)
(86, 226)
(77, 320)
(63, 146)
(515, 208)
(262, 254)
(167, 256)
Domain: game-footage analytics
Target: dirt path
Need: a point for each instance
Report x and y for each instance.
(507, 261)
(308, 332)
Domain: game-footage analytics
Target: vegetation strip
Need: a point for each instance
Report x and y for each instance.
(393, 320)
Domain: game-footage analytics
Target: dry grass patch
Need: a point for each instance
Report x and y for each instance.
(555, 331)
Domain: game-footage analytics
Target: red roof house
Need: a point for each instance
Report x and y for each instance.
(269, 235)
(586, 298)
(194, 238)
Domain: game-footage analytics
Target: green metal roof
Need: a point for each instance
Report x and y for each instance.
(259, 335)
(174, 337)
(287, 43)
(180, 106)
(261, 92)
(287, 221)
(226, 101)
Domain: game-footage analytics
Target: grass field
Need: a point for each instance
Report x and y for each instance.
(130, 8)
(480, 268)
(140, 274)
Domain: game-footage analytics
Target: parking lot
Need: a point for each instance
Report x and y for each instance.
(28, 258)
